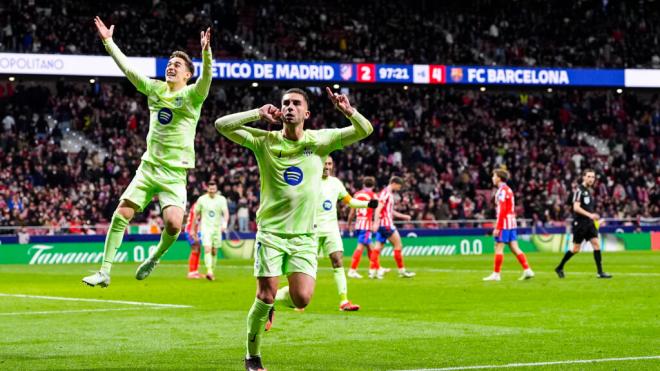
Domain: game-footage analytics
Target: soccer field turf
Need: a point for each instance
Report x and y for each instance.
(444, 317)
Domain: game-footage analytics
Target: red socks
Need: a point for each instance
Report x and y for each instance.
(374, 262)
(193, 261)
(499, 258)
(357, 255)
(398, 257)
(523, 260)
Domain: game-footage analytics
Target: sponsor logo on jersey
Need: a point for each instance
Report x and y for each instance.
(293, 176)
(327, 205)
(165, 116)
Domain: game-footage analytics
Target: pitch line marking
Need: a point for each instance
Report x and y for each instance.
(28, 313)
(138, 303)
(533, 364)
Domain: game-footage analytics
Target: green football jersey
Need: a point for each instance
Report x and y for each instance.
(173, 115)
(211, 211)
(291, 178)
(332, 190)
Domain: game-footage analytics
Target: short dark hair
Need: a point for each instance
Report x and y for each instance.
(185, 57)
(397, 180)
(588, 170)
(502, 174)
(298, 91)
(369, 181)
(211, 182)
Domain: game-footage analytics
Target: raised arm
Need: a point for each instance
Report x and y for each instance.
(203, 83)
(361, 127)
(141, 82)
(233, 126)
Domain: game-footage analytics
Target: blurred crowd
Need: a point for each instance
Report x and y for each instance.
(443, 142)
(584, 33)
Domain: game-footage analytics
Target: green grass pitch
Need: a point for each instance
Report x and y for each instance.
(444, 317)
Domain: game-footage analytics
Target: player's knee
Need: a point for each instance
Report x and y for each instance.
(172, 227)
(336, 260)
(266, 296)
(126, 212)
(301, 301)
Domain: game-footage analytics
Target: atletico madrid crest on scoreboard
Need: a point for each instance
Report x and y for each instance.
(346, 71)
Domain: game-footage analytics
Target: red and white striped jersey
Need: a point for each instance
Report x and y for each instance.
(386, 197)
(364, 218)
(191, 217)
(506, 215)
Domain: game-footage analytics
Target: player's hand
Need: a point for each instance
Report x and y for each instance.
(270, 113)
(104, 32)
(374, 228)
(341, 102)
(372, 204)
(205, 39)
(496, 232)
(594, 216)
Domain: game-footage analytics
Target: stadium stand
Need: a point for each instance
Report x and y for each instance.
(485, 32)
(444, 142)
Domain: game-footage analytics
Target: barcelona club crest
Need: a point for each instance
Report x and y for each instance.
(346, 71)
(178, 102)
(456, 74)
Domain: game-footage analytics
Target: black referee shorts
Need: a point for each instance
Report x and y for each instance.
(584, 231)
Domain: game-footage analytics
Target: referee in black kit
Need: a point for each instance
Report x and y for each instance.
(584, 223)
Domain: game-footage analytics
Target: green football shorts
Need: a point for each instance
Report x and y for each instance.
(149, 180)
(212, 237)
(278, 254)
(329, 242)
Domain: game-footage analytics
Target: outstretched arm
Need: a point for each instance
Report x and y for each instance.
(141, 82)
(203, 83)
(354, 203)
(361, 127)
(233, 126)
